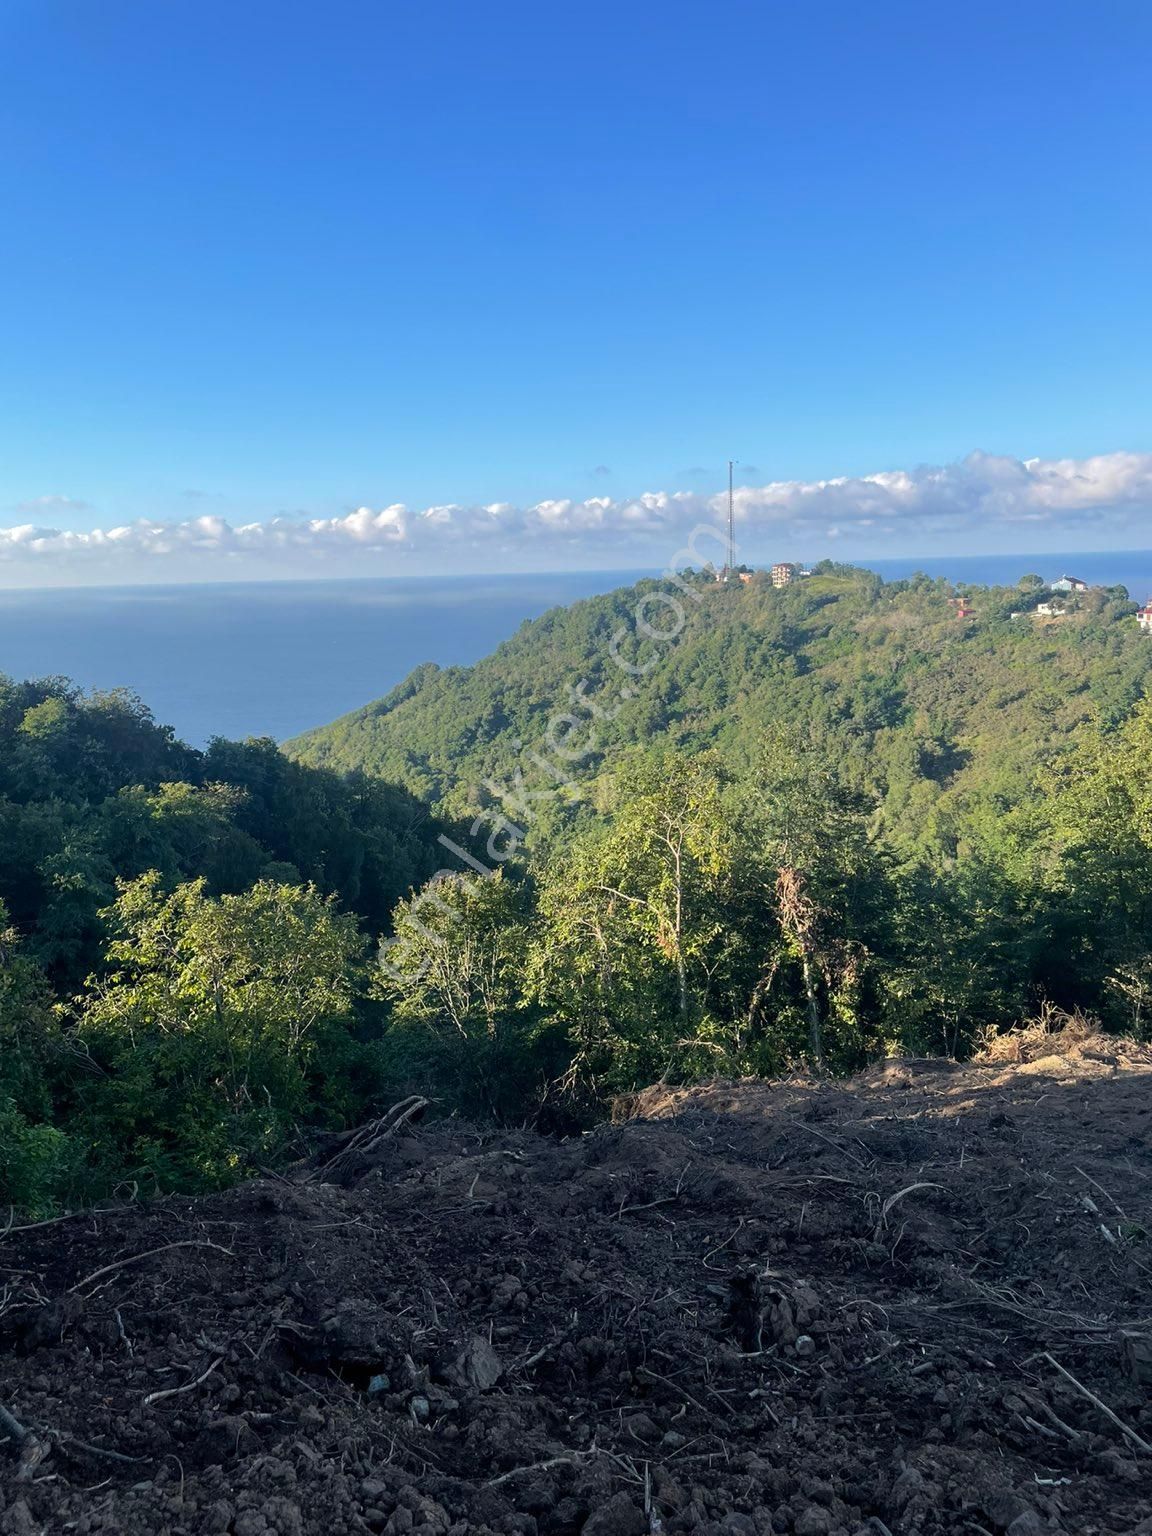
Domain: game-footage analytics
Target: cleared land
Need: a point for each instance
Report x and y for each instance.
(918, 1301)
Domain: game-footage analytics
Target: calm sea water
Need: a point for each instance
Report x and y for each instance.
(270, 658)
(273, 658)
(1126, 568)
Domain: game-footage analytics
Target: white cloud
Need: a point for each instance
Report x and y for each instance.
(981, 493)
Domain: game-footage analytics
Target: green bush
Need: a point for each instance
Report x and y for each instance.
(41, 1168)
(208, 1027)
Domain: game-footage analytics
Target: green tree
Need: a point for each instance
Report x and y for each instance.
(966, 941)
(1100, 845)
(826, 890)
(453, 971)
(634, 937)
(182, 830)
(455, 956)
(39, 1162)
(209, 1021)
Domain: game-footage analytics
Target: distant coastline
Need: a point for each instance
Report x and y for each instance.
(276, 658)
(1128, 568)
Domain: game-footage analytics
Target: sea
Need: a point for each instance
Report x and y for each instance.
(274, 658)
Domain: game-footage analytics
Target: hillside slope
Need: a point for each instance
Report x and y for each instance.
(943, 720)
(828, 1309)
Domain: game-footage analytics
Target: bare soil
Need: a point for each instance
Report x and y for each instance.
(918, 1301)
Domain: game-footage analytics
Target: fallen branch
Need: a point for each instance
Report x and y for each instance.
(136, 1258)
(1053, 1417)
(545, 1349)
(626, 1210)
(1125, 1429)
(12, 1426)
(1038, 1317)
(1034, 1424)
(32, 1449)
(536, 1466)
(645, 1370)
(894, 1200)
(1096, 1185)
(50, 1221)
(189, 1386)
(70, 1443)
(368, 1138)
(804, 1126)
(717, 1268)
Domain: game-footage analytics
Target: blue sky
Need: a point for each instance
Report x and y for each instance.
(319, 268)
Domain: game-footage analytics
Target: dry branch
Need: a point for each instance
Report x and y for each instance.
(188, 1386)
(51, 1221)
(811, 1129)
(894, 1200)
(136, 1258)
(536, 1466)
(645, 1370)
(1125, 1429)
(12, 1426)
(366, 1140)
(31, 1447)
(626, 1210)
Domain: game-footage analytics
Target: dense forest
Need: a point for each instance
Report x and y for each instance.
(182, 942)
(940, 723)
(683, 830)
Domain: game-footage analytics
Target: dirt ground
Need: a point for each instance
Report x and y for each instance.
(918, 1301)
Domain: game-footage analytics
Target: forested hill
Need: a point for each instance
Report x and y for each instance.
(184, 941)
(94, 791)
(942, 720)
(816, 825)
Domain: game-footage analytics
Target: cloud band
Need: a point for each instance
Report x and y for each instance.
(981, 491)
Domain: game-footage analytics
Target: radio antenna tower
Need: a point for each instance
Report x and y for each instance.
(731, 571)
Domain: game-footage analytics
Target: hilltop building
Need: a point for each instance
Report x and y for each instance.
(1144, 617)
(1069, 584)
(784, 573)
(964, 609)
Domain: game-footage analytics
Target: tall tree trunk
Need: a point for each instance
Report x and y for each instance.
(798, 915)
(681, 969)
(756, 1002)
(815, 1026)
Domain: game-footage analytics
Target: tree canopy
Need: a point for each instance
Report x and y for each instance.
(793, 831)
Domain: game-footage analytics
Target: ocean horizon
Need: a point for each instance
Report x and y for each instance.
(274, 658)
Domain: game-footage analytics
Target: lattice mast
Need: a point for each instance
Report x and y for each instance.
(731, 568)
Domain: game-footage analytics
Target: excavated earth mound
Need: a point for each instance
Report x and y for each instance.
(918, 1301)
